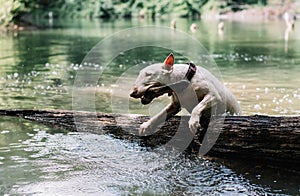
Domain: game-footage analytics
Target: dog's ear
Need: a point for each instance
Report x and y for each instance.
(169, 62)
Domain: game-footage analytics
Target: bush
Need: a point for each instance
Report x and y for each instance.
(14, 9)
(9, 10)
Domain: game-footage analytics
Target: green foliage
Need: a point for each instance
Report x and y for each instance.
(12, 9)
(8, 10)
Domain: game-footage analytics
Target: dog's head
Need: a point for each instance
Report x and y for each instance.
(151, 78)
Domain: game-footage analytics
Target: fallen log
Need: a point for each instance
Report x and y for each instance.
(267, 139)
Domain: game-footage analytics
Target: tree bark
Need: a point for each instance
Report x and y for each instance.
(267, 139)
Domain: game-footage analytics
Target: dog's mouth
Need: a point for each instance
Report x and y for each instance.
(156, 90)
(147, 98)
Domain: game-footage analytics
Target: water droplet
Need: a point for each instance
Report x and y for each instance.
(266, 90)
(257, 107)
(285, 96)
(4, 132)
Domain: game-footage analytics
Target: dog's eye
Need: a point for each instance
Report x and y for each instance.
(148, 74)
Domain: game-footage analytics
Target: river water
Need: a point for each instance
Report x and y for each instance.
(258, 61)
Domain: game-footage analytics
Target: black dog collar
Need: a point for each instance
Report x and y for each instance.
(177, 87)
(191, 71)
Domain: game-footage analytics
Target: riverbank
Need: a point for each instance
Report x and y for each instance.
(246, 13)
(18, 26)
(271, 12)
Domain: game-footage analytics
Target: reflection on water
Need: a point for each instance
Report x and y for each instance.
(38, 69)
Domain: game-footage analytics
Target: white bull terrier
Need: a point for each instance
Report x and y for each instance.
(203, 93)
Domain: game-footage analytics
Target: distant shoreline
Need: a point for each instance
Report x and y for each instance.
(255, 14)
(18, 26)
(251, 14)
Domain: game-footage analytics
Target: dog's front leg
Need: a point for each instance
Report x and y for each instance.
(207, 102)
(172, 109)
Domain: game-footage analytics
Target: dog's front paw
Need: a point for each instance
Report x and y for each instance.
(194, 124)
(144, 128)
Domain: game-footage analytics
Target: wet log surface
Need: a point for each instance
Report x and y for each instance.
(274, 141)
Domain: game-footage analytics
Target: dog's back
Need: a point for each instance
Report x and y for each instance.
(203, 83)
